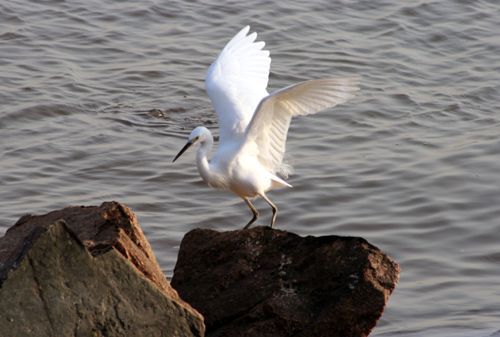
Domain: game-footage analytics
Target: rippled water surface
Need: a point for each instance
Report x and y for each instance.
(411, 164)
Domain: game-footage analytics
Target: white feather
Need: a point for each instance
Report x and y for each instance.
(266, 133)
(236, 82)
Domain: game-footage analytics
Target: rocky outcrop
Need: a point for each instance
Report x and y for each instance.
(111, 225)
(265, 282)
(87, 271)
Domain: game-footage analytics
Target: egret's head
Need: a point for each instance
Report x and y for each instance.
(198, 135)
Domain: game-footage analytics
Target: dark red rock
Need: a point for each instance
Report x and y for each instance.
(59, 289)
(87, 271)
(265, 282)
(100, 228)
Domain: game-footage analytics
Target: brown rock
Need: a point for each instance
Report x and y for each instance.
(53, 284)
(111, 225)
(265, 282)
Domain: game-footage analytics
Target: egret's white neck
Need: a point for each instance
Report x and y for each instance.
(202, 159)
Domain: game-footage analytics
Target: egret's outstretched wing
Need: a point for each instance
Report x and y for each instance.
(266, 134)
(236, 82)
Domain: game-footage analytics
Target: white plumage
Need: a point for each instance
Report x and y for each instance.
(254, 124)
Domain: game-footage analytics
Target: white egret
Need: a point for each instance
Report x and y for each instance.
(254, 124)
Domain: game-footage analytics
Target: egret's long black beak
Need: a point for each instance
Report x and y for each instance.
(184, 149)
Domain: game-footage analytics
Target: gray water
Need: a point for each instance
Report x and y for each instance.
(411, 163)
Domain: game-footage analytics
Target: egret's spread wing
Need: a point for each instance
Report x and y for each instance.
(236, 82)
(266, 134)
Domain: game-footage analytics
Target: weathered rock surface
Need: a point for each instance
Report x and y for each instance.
(92, 273)
(89, 271)
(100, 228)
(265, 282)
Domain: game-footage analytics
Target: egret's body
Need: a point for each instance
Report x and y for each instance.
(254, 124)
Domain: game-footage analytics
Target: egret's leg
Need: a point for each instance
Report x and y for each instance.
(275, 209)
(255, 213)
